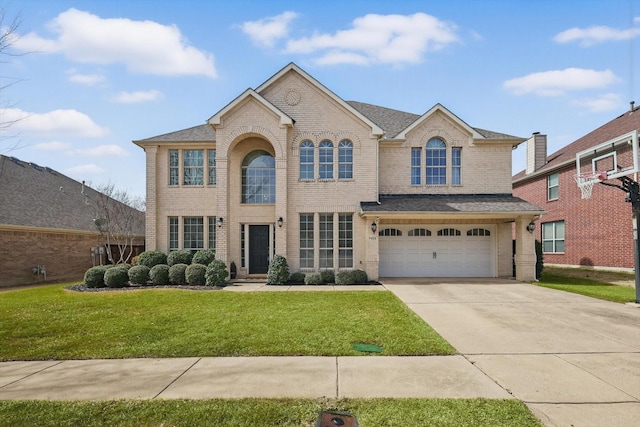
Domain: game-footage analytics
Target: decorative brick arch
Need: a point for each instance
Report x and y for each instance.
(244, 132)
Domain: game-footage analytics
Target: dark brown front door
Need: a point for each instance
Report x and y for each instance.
(258, 249)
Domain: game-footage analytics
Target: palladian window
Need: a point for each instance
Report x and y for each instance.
(259, 178)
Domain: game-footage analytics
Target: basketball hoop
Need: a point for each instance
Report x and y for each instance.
(587, 180)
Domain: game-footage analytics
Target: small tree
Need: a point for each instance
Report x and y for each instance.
(216, 273)
(278, 272)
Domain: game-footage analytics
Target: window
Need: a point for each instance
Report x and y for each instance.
(259, 178)
(421, 232)
(416, 159)
(552, 187)
(553, 237)
(212, 166)
(326, 160)
(345, 241)
(390, 232)
(173, 233)
(345, 160)
(306, 240)
(212, 232)
(193, 233)
(306, 160)
(174, 167)
(478, 232)
(456, 166)
(326, 241)
(436, 162)
(449, 232)
(193, 162)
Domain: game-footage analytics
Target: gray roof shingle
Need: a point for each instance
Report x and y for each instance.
(459, 203)
(200, 133)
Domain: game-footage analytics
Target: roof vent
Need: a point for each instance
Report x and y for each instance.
(632, 104)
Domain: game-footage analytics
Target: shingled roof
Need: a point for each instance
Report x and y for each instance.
(459, 203)
(37, 196)
(201, 133)
(566, 156)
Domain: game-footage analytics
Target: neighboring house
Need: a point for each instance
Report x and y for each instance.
(596, 232)
(47, 225)
(292, 169)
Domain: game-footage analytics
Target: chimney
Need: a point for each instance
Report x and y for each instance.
(536, 152)
(632, 104)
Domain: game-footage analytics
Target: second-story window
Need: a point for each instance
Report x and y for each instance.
(306, 160)
(416, 165)
(212, 167)
(436, 172)
(456, 166)
(345, 160)
(259, 178)
(553, 187)
(326, 160)
(193, 164)
(174, 167)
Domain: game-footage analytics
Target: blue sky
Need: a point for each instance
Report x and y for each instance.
(99, 74)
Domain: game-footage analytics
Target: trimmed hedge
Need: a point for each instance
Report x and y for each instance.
(216, 273)
(297, 277)
(116, 277)
(328, 276)
(159, 274)
(195, 274)
(176, 274)
(183, 256)
(94, 277)
(313, 279)
(278, 272)
(139, 274)
(152, 258)
(204, 257)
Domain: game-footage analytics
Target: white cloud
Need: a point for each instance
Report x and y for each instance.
(83, 170)
(138, 96)
(594, 35)
(87, 79)
(267, 31)
(143, 46)
(54, 123)
(380, 39)
(111, 150)
(606, 102)
(53, 146)
(558, 82)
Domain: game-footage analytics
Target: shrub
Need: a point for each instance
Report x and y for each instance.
(216, 273)
(360, 276)
(328, 276)
(94, 277)
(297, 277)
(116, 277)
(151, 258)
(313, 279)
(183, 256)
(159, 274)
(278, 272)
(176, 274)
(195, 274)
(139, 274)
(124, 265)
(345, 278)
(204, 256)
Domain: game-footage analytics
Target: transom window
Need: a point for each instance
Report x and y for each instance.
(390, 232)
(306, 160)
(259, 178)
(436, 172)
(552, 187)
(478, 232)
(553, 237)
(326, 160)
(421, 232)
(345, 160)
(449, 232)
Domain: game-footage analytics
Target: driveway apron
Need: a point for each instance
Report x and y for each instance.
(574, 360)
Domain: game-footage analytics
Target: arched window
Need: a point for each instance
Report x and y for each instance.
(306, 160)
(326, 160)
(419, 232)
(436, 162)
(259, 178)
(478, 232)
(390, 232)
(448, 232)
(345, 160)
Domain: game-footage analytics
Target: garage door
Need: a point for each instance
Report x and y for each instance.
(436, 251)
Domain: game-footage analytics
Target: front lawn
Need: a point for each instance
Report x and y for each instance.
(267, 412)
(53, 323)
(571, 282)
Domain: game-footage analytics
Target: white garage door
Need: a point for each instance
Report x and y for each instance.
(436, 251)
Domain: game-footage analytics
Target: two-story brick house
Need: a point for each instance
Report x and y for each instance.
(595, 233)
(292, 169)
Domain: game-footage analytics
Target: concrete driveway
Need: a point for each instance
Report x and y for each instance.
(574, 360)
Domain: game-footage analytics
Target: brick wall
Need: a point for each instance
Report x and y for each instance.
(598, 231)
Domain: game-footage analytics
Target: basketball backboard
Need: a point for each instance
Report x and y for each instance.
(611, 159)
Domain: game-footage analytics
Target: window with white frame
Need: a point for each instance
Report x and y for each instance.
(306, 160)
(211, 223)
(193, 167)
(211, 154)
(456, 166)
(553, 237)
(436, 162)
(416, 166)
(345, 160)
(259, 178)
(193, 233)
(174, 167)
(326, 241)
(345, 241)
(325, 160)
(306, 240)
(173, 233)
(553, 186)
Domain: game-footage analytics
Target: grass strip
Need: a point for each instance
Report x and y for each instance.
(267, 412)
(588, 287)
(51, 323)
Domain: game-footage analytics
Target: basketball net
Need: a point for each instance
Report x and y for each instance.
(587, 180)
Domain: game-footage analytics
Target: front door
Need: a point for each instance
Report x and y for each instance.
(258, 249)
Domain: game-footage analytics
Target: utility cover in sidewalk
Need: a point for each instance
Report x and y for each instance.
(368, 348)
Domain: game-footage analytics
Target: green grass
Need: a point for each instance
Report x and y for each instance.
(588, 287)
(267, 412)
(53, 323)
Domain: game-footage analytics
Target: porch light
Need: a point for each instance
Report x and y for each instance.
(220, 221)
(374, 227)
(280, 221)
(531, 227)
